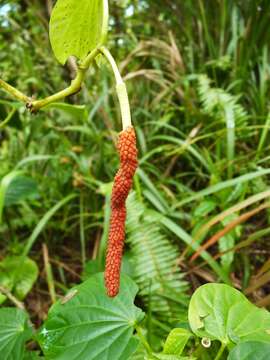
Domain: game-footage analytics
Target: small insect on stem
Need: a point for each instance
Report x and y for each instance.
(122, 184)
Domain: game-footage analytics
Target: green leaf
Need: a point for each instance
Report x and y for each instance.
(14, 187)
(91, 268)
(14, 332)
(77, 27)
(74, 111)
(170, 357)
(32, 355)
(20, 188)
(251, 350)
(17, 275)
(205, 208)
(43, 222)
(4, 185)
(176, 341)
(220, 312)
(90, 325)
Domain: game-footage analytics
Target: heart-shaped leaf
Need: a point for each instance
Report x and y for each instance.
(17, 275)
(88, 324)
(251, 350)
(220, 312)
(14, 332)
(77, 27)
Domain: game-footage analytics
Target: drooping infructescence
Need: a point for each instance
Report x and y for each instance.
(122, 184)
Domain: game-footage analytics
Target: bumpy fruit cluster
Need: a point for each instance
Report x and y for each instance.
(122, 184)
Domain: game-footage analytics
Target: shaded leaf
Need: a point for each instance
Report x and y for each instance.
(20, 188)
(251, 351)
(14, 332)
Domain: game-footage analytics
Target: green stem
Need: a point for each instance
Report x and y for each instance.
(143, 339)
(82, 236)
(74, 87)
(7, 119)
(49, 273)
(14, 92)
(121, 89)
(220, 352)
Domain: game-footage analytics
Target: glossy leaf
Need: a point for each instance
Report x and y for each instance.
(14, 332)
(17, 275)
(220, 312)
(88, 324)
(176, 341)
(251, 351)
(77, 27)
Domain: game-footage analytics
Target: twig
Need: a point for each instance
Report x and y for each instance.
(12, 298)
(49, 274)
(66, 267)
(74, 87)
(14, 92)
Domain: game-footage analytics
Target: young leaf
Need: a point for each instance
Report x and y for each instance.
(17, 275)
(14, 332)
(220, 312)
(250, 351)
(87, 324)
(77, 27)
(176, 341)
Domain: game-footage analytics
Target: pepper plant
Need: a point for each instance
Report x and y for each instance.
(98, 319)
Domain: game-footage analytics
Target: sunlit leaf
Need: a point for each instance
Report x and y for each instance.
(17, 275)
(176, 341)
(88, 324)
(77, 27)
(220, 312)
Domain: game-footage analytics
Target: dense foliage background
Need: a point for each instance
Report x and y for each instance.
(198, 79)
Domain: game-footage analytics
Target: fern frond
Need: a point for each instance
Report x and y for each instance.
(219, 103)
(155, 262)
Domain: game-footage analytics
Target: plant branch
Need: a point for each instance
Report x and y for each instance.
(14, 92)
(49, 274)
(74, 87)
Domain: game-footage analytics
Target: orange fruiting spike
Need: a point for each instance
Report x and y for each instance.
(122, 184)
